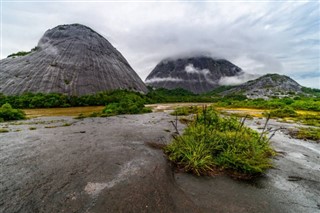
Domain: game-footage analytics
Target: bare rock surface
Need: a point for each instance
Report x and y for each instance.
(104, 165)
(198, 74)
(69, 59)
(266, 86)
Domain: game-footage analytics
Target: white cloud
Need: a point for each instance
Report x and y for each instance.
(153, 80)
(238, 79)
(191, 69)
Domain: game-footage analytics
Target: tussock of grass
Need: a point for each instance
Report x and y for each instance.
(186, 110)
(282, 113)
(2, 130)
(306, 134)
(212, 142)
(307, 118)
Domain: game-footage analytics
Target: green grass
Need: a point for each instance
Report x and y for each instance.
(213, 142)
(282, 112)
(3, 130)
(307, 134)
(186, 110)
(308, 119)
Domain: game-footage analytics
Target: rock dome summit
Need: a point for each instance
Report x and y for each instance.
(69, 59)
(198, 74)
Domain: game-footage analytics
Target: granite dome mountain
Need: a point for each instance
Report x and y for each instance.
(69, 59)
(197, 74)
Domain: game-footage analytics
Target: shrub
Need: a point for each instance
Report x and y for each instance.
(7, 113)
(212, 141)
(128, 103)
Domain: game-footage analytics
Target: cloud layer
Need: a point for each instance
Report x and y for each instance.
(260, 37)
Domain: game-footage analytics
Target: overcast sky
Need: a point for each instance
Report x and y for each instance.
(258, 36)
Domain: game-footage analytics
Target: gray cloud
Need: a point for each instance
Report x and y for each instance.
(259, 37)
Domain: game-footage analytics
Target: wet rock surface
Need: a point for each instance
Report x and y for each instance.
(105, 165)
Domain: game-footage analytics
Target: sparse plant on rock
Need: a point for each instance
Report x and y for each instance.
(213, 143)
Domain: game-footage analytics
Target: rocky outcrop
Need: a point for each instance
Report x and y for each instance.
(69, 59)
(267, 86)
(196, 74)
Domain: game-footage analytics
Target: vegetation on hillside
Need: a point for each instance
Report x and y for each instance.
(211, 143)
(21, 53)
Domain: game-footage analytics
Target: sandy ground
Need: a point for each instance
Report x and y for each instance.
(60, 164)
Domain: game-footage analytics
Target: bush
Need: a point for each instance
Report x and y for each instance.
(128, 103)
(7, 113)
(212, 141)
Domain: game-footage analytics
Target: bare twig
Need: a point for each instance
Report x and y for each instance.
(274, 132)
(264, 128)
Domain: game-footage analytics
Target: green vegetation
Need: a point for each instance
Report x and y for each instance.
(290, 113)
(307, 134)
(22, 53)
(283, 112)
(32, 128)
(7, 113)
(312, 120)
(311, 91)
(2, 130)
(126, 103)
(187, 110)
(41, 100)
(173, 96)
(298, 103)
(213, 142)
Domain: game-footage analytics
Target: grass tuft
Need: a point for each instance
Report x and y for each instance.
(2, 130)
(306, 134)
(212, 141)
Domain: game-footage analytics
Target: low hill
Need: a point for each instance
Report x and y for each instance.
(267, 86)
